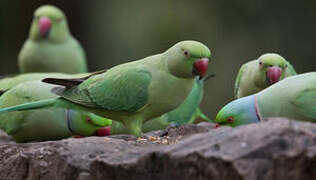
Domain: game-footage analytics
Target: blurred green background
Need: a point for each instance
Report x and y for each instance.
(113, 32)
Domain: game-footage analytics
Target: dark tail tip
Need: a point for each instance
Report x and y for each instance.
(209, 76)
(1, 92)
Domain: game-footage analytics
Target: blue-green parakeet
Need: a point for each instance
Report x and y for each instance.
(293, 98)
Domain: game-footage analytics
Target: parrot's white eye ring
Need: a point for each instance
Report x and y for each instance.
(186, 53)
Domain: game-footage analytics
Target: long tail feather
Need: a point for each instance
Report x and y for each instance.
(29, 106)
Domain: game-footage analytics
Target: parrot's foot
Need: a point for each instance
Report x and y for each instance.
(134, 127)
(171, 126)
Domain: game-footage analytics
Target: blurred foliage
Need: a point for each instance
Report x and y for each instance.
(113, 32)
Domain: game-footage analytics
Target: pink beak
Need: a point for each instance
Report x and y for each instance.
(105, 131)
(274, 74)
(44, 25)
(200, 67)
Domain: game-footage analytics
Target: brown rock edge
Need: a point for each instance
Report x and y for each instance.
(277, 149)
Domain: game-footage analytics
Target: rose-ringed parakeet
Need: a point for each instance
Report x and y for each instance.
(186, 113)
(134, 92)
(293, 98)
(258, 74)
(45, 124)
(50, 46)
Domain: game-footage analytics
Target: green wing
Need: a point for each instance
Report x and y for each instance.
(290, 71)
(237, 82)
(305, 101)
(128, 92)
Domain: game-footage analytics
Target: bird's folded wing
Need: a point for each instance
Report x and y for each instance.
(127, 92)
(238, 79)
(305, 102)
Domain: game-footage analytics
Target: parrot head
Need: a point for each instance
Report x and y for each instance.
(188, 59)
(49, 23)
(87, 124)
(272, 67)
(239, 112)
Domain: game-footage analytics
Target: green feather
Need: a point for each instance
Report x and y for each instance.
(305, 102)
(237, 82)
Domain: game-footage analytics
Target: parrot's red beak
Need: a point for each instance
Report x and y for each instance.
(217, 125)
(200, 67)
(274, 74)
(44, 25)
(105, 131)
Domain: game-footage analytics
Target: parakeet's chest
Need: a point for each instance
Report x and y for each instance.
(43, 56)
(251, 82)
(167, 91)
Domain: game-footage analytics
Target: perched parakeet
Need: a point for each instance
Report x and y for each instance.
(44, 124)
(258, 74)
(293, 98)
(50, 46)
(186, 113)
(134, 92)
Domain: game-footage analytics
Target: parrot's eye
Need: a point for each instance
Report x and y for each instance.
(88, 120)
(260, 63)
(230, 119)
(186, 53)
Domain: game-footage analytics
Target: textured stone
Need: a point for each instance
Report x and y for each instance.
(277, 149)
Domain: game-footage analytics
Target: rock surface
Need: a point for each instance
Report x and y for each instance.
(277, 149)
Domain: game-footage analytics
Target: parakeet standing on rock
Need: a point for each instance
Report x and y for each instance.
(45, 124)
(258, 74)
(134, 92)
(186, 113)
(292, 98)
(50, 46)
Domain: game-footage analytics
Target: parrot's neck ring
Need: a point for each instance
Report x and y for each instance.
(257, 109)
(69, 122)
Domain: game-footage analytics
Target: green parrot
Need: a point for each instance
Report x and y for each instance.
(134, 92)
(50, 47)
(186, 113)
(258, 74)
(293, 98)
(45, 124)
